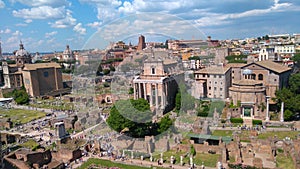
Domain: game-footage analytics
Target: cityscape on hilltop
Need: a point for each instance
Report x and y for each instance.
(179, 103)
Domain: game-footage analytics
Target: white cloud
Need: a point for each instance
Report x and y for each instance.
(53, 3)
(6, 31)
(106, 9)
(14, 38)
(219, 19)
(21, 24)
(41, 12)
(79, 29)
(28, 21)
(107, 3)
(17, 33)
(52, 40)
(2, 4)
(67, 21)
(94, 24)
(50, 34)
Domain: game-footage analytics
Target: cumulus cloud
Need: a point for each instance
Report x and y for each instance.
(53, 3)
(2, 4)
(79, 29)
(6, 31)
(106, 9)
(50, 34)
(94, 24)
(41, 12)
(28, 21)
(17, 33)
(67, 21)
(213, 19)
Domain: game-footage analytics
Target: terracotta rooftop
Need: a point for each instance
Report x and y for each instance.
(268, 64)
(41, 66)
(214, 70)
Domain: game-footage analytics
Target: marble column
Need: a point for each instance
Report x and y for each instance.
(151, 96)
(140, 90)
(145, 94)
(163, 95)
(156, 96)
(267, 111)
(134, 90)
(282, 112)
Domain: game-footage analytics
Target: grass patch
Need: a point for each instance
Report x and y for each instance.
(30, 144)
(106, 163)
(222, 133)
(284, 162)
(209, 160)
(19, 116)
(280, 134)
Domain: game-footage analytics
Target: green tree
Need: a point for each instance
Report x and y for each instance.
(296, 58)
(111, 68)
(294, 83)
(164, 124)
(106, 71)
(288, 115)
(54, 60)
(178, 101)
(130, 90)
(20, 96)
(134, 115)
(192, 150)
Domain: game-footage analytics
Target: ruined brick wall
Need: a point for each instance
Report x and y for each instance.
(66, 155)
(39, 158)
(201, 148)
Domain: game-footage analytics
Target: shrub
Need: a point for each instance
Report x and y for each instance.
(236, 120)
(256, 122)
(223, 121)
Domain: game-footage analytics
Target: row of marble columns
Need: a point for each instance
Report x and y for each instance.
(140, 91)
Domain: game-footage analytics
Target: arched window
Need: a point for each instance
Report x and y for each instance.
(253, 76)
(260, 77)
(153, 70)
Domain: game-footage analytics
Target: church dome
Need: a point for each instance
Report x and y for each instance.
(22, 52)
(67, 51)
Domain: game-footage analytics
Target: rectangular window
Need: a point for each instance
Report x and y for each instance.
(215, 88)
(46, 74)
(209, 88)
(221, 89)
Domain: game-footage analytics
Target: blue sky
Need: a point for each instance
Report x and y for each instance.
(49, 25)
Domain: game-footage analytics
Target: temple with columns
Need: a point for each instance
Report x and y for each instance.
(158, 82)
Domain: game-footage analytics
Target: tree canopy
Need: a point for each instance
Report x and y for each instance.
(135, 117)
(290, 96)
(20, 96)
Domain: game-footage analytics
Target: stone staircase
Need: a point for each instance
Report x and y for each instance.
(247, 122)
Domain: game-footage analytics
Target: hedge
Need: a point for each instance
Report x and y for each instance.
(236, 120)
(256, 122)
